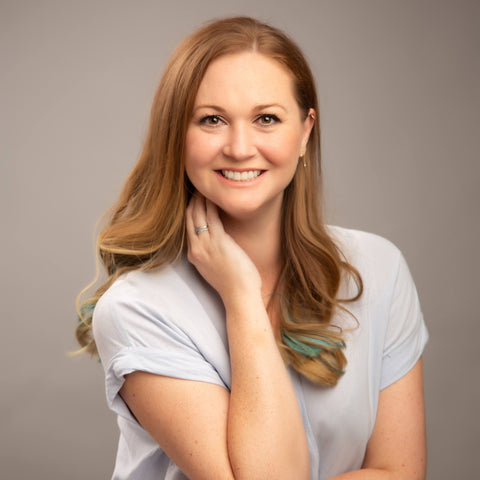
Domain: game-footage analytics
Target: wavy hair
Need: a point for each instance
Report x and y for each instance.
(146, 226)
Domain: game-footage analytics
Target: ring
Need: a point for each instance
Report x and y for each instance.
(203, 228)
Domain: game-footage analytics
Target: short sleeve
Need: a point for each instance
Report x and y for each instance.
(136, 335)
(406, 333)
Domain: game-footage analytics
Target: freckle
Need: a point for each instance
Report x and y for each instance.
(196, 441)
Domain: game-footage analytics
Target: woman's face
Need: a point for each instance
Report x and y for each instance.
(246, 135)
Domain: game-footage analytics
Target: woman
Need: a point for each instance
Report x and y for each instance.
(241, 337)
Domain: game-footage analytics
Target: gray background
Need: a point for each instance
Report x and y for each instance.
(399, 86)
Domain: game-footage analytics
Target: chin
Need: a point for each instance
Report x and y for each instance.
(246, 212)
(239, 215)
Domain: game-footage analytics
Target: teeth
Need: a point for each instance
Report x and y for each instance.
(241, 176)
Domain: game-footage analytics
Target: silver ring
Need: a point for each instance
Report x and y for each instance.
(203, 228)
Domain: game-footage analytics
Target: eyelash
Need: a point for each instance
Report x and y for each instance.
(274, 119)
(208, 118)
(205, 120)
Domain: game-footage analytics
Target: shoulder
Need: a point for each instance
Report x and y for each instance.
(173, 298)
(162, 286)
(376, 258)
(148, 297)
(361, 247)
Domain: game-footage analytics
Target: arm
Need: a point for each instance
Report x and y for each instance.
(254, 432)
(266, 437)
(397, 448)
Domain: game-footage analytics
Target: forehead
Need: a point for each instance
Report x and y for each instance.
(246, 76)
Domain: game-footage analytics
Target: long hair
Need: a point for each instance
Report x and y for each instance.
(146, 226)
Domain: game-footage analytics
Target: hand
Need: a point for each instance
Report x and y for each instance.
(218, 258)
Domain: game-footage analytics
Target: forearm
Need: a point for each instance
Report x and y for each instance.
(367, 474)
(378, 474)
(266, 436)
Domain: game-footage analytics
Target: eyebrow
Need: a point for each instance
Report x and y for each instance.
(270, 105)
(257, 108)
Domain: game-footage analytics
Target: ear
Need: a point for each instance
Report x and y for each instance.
(308, 124)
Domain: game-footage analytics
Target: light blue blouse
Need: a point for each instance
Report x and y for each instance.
(171, 322)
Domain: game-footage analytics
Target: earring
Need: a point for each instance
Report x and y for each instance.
(303, 151)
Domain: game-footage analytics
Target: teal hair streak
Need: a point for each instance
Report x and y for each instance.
(301, 347)
(85, 310)
(312, 351)
(308, 350)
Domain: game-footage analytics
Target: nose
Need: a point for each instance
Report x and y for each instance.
(239, 144)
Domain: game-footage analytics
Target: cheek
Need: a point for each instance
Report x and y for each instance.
(283, 150)
(196, 154)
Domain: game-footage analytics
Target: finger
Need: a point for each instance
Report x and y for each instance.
(189, 225)
(188, 218)
(212, 217)
(199, 216)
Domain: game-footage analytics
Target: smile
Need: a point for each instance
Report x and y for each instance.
(241, 176)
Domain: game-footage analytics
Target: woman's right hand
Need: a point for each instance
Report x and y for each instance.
(218, 258)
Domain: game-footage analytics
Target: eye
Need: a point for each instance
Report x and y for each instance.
(266, 120)
(211, 120)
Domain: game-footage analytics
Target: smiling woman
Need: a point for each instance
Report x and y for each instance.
(241, 337)
(246, 135)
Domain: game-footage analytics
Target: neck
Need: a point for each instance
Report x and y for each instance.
(259, 237)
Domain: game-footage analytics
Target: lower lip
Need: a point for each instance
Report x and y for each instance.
(240, 183)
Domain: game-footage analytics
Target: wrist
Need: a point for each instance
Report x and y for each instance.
(242, 300)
